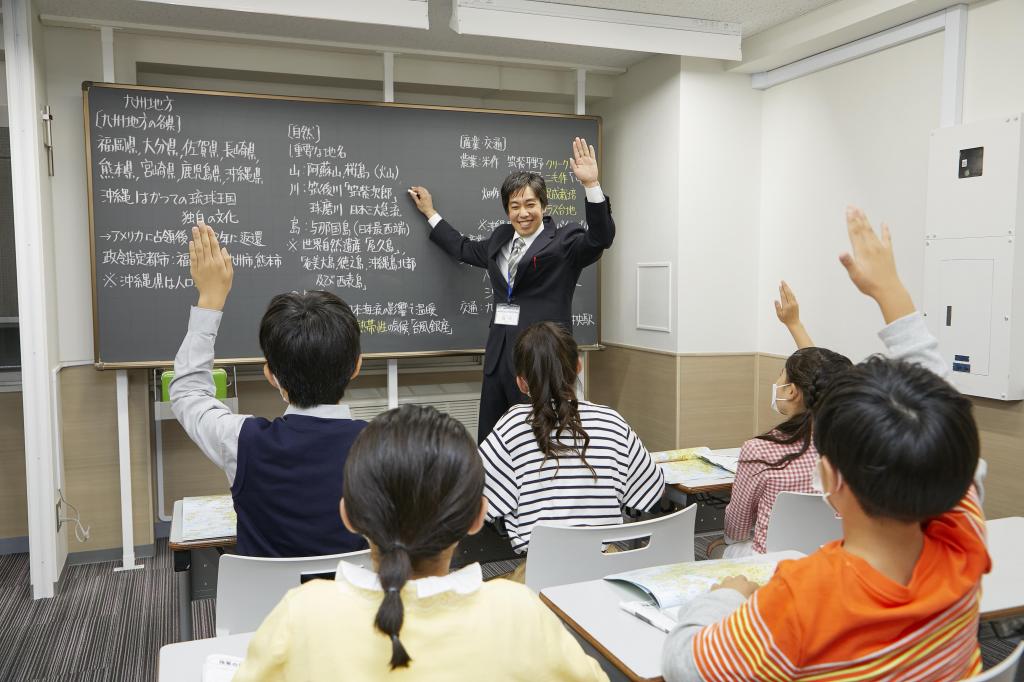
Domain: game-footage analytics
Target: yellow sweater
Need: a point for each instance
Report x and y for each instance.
(324, 631)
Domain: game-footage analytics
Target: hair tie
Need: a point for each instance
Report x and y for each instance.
(392, 589)
(395, 546)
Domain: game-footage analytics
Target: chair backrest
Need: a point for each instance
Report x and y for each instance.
(248, 588)
(801, 521)
(1006, 671)
(570, 554)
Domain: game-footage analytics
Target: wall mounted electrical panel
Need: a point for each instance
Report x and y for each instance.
(974, 264)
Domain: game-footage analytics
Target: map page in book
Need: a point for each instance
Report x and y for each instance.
(676, 584)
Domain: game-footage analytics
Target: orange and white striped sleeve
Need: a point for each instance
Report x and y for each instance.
(756, 641)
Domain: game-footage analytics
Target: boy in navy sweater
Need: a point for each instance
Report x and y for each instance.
(285, 474)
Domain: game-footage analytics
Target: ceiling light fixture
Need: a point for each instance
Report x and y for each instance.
(554, 22)
(404, 13)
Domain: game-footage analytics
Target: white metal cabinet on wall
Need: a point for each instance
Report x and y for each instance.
(974, 269)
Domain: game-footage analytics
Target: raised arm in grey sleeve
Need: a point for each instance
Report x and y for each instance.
(677, 664)
(908, 339)
(206, 420)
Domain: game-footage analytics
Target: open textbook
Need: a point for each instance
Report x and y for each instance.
(670, 587)
(209, 516)
(697, 466)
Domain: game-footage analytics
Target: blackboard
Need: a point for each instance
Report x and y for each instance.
(307, 194)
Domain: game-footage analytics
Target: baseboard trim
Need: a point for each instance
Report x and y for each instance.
(100, 556)
(16, 545)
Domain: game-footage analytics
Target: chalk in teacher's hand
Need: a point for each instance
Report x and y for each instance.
(414, 193)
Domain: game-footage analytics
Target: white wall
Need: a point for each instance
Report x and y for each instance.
(718, 191)
(994, 74)
(641, 174)
(853, 134)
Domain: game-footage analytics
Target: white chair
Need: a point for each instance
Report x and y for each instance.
(248, 588)
(1006, 671)
(801, 521)
(559, 555)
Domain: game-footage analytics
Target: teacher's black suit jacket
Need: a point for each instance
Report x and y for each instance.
(545, 278)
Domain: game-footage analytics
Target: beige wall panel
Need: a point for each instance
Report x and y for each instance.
(715, 400)
(13, 503)
(91, 473)
(1002, 435)
(768, 369)
(641, 385)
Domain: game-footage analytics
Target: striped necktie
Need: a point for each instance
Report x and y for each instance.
(513, 259)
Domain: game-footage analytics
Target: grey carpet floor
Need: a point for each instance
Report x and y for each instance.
(108, 626)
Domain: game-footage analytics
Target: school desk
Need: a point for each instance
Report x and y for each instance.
(1002, 590)
(592, 610)
(686, 492)
(183, 662)
(195, 564)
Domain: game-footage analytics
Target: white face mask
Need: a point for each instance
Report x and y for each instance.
(819, 487)
(776, 398)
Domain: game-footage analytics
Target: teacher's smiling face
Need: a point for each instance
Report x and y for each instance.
(525, 212)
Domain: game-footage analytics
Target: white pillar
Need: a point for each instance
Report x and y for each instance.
(953, 59)
(24, 104)
(389, 76)
(581, 92)
(392, 383)
(107, 42)
(124, 452)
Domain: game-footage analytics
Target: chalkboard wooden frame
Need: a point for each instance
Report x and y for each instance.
(87, 85)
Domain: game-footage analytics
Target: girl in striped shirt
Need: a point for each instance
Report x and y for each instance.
(784, 458)
(558, 459)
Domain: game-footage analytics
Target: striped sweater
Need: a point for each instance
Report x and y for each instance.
(800, 626)
(522, 489)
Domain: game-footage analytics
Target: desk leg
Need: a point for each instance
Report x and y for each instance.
(182, 568)
(677, 496)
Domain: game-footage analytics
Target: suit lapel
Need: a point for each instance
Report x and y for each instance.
(543, 241)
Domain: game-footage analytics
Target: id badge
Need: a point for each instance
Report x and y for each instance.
(506, 313)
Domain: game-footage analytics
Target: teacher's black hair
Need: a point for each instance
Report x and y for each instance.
(413, 486)
(904, 440)
(311, 344)
(517, 182)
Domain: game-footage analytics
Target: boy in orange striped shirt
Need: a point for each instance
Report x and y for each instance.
(897, 598)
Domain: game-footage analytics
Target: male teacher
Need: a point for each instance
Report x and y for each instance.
(533, 265)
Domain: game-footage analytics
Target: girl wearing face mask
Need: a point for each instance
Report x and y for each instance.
(784, 458)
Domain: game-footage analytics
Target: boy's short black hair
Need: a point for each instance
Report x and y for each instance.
(517, 182)
(311, 344)
(904, 440)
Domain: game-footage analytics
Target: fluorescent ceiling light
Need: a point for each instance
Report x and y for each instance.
(405, 13)
(553, 22)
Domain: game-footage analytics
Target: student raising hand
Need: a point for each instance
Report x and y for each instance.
(210, 266)
(787, 309)
(872, 266)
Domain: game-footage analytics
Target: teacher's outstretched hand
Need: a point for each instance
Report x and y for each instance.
(424, 202)
(584, 162)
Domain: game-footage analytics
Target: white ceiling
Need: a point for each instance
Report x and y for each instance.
(753, 15)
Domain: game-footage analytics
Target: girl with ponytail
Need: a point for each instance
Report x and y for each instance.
(784, 458)
(559, 458)
(413, 487)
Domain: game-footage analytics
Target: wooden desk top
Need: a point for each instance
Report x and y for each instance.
(698, 489)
